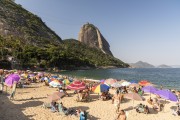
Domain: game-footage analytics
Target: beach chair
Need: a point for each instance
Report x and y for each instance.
(62, 110)
(84, 98)
(46, 105)
(142, 109)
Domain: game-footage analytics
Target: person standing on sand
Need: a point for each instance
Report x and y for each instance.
(13, 91)
(1, 80)
(116, 99)
(161, 87)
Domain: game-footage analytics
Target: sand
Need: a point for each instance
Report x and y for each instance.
(28, 106)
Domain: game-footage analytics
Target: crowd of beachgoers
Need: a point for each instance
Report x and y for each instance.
(118, 92)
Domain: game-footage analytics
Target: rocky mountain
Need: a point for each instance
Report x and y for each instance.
(141, 64)
(91, 36)
(175, 66)
(17, 22)
(26, 42)
(164, 66)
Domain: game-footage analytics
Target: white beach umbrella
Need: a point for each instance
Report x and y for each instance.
(116, 85)
(125, 83)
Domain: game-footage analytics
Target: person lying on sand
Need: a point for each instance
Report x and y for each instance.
(177, 111)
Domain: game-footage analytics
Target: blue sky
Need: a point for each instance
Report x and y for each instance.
(146, 30)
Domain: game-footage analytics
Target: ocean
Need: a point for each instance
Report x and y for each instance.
(168, 77)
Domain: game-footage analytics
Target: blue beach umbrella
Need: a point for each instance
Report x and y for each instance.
(133, 81)
(54, 76)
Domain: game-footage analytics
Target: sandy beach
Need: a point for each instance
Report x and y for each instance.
(28, 106)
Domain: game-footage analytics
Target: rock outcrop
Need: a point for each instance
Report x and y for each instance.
(15, 21)
(91, 36)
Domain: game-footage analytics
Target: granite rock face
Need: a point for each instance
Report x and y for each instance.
(91, 36)
(16, 21)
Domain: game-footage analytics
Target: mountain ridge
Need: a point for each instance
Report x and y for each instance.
(26, 42)
(18, 22)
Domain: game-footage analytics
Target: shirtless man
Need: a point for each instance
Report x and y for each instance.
(116, 100)
(121, 115)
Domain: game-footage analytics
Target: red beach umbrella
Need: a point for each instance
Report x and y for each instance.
(77, 85)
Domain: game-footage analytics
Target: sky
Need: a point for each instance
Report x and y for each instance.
(146, 30)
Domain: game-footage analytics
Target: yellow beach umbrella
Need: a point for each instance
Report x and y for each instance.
(66, 82)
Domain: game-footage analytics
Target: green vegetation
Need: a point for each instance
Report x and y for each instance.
(71, 54)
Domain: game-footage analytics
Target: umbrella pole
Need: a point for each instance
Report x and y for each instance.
(133, 104)
(164, 104)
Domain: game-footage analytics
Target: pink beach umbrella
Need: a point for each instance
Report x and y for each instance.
(56, 96)
(110, 81)
(134, 96)
(11, 79)
(77, 85)
(40, 74)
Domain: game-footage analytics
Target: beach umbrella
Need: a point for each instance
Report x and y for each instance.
(11, 79)
(110, 81)
(40, 74)
(134, 96)
(54, 76)
(24, 75)
(132, 85)
(66, 82)
(149, 89)
(144, 82)
(100, 88)
(56, 96)
(55, 83)
(102, 81)
(168, 95)
(77, 85)
(133, 81)
(125, 83)
(31, 75)
(116, 85)
(121, 81)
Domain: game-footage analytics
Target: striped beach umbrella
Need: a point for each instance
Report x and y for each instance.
(77, 85)
(66, 82)
(100, 88)
(55, 83)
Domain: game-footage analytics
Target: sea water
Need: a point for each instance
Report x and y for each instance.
(168, 77)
